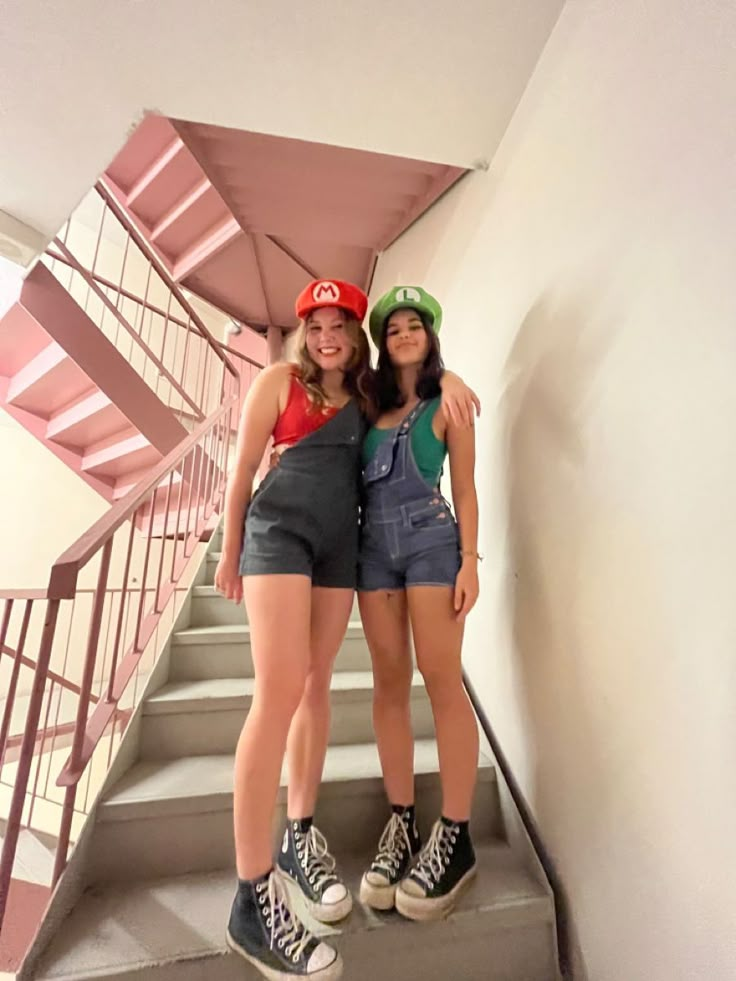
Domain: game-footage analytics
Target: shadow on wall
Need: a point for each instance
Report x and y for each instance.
(553, 378)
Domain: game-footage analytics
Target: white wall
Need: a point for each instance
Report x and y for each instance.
(588, 286)
(44, 508)
(410, 77)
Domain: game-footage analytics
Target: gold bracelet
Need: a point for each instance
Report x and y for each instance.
(476, 555)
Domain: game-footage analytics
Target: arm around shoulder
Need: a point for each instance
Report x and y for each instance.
(459, 402)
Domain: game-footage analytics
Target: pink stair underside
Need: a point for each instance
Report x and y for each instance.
(63, 380)
(246, 219)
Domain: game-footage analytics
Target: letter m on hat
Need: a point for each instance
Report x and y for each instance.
(325, 292)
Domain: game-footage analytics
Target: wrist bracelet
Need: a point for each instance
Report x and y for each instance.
(476, 555)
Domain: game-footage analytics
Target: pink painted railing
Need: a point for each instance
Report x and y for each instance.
(88, 641)
(111, 271)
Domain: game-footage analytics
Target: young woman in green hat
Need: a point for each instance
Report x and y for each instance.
(418, 569)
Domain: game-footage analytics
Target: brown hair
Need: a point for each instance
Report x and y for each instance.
(387, 392)
(358, 379)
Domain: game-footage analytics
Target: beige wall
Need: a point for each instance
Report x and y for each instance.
(588, 287)
(44, 508)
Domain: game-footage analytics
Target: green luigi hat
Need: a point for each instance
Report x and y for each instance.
(401, 298)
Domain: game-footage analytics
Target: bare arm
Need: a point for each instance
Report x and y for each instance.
(260, 413)
(458, 400)
(461, 447)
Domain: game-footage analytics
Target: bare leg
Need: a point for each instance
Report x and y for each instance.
(386, 625)
(310, 727)
(280, 645)
(438, 641)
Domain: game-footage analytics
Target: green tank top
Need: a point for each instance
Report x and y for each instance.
(429, 452)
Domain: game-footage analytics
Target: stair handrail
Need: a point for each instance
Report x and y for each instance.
(108, 283)
(200, 355)
(106, 194)
(66, 256)
(66, 569)
(562, 923)
(200, 460)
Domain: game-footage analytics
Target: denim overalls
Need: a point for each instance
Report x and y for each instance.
(303, 518)
(409, 536)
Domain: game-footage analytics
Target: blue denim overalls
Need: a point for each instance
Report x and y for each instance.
(409, 536)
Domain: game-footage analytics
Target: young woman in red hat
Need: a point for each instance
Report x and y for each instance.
(418, 572)
(291, 548)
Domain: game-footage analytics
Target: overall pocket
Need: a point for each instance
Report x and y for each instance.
(433, 516)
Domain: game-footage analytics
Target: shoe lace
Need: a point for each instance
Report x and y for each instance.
(435, 856)
(287, 932)
(318, 863)
(394, 841)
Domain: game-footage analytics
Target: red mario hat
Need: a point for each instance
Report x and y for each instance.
(331, 293)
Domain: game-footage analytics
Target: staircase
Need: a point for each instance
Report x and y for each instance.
(156, 864)
(64, 381)
(105, 361)
(102, 357)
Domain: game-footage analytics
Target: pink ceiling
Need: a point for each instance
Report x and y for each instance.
(245, 220)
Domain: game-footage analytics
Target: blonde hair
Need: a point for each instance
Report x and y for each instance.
(358, 375)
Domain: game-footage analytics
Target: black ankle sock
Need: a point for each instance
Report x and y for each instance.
(304, 824)
(462, 826)
(247, 884)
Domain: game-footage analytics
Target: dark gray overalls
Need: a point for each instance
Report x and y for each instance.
(409, 536)
(303, 517)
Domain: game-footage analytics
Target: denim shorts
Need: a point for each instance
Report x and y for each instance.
(279, 549)
(419, 545)
(303, 518)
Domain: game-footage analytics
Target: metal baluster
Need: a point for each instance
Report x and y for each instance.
(17, 802)
(82, 710)
(163, 543)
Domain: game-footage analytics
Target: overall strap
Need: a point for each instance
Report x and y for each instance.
(394, 448)
(408, 423)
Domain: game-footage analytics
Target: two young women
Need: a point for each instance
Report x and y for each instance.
(294, 559)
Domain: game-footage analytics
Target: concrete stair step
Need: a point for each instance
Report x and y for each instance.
(173, 929)
(34, 861)
(223, 651)
(159, 804)
(209, 607)
(206, 716)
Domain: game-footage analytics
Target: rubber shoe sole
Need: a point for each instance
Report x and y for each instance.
(324, 912)
(333, 971)
(377, 897)
(417, 908)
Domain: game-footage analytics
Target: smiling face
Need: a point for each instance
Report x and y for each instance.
(407, 342)
(327, 340)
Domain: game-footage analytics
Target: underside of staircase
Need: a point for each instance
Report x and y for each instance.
(68, 385)
(245, 219)
(152, 880)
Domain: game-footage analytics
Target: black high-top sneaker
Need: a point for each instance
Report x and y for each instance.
(399, 843)
(444, 869)
(305, 858)
(265, 931)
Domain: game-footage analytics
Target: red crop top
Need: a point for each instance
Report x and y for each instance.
(300, 417)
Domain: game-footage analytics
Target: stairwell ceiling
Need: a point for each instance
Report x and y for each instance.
(245, 220)
(424, 79)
